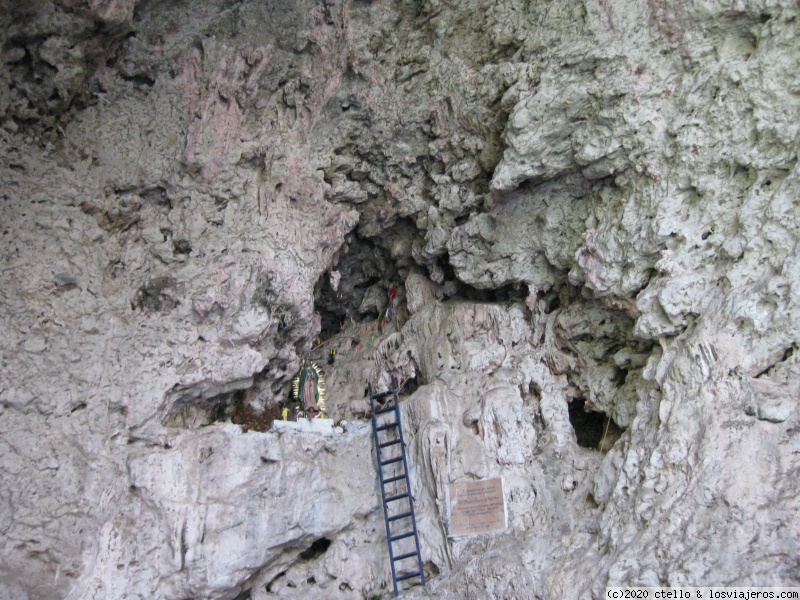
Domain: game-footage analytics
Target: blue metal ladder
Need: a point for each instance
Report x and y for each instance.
(395, 487)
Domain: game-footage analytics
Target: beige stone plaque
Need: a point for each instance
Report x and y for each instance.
(476, 507)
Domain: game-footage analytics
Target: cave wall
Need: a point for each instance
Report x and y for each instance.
(579, 202)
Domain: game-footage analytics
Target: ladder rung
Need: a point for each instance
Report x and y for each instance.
(384, 444)
(389, 426)
(404, 556)
(397, 497)
(409, 576)
(402, 536)
(400, 516)
(382, 394)
(393, 479)
(384, 410)
(391, 460)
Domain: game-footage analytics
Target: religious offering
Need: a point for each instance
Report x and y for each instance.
(308, 390)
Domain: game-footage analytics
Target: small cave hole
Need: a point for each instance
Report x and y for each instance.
(138, 78)
(620, 376)
(553, 303)
(311, 581)
(80, 406)
(408, 387)
(181, 246)
(589, 425)
(156, 295)
(455, 289)
(315, 550)
(431, 569)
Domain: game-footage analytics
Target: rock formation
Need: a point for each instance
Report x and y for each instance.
(589, 212)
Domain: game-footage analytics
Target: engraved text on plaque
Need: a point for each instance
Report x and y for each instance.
(477, 507)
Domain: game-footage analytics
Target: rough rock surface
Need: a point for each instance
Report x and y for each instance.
(581, 205)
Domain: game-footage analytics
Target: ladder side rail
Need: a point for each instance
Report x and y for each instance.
(408, 486)
(383, 490)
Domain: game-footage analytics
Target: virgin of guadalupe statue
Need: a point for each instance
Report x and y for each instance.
(308, 389)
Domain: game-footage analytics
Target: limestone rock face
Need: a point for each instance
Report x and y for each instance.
(217, 506)
(569, 230)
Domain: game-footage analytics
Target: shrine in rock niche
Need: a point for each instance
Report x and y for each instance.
(308, 393)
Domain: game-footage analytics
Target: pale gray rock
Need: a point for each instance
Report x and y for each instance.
(583, 206)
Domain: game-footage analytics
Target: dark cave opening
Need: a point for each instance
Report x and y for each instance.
(315, 550)
(408, 387)
(589, 425)
(356, 287)
(373, 258)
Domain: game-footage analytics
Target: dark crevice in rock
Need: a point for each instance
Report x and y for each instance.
(365, 273)
(278, 577)
(315, 550)
(620, 376)
(455, 289)
(408, 387)
(787, 354)
(142, 79)
(367, 268)
(268, 294)
(431, 569)
(590, 426)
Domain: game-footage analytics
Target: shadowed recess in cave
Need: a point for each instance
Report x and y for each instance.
(590, 426)
(356, 287)
(454, 289)
(235, 407)
(358, 284)
(315, 550)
